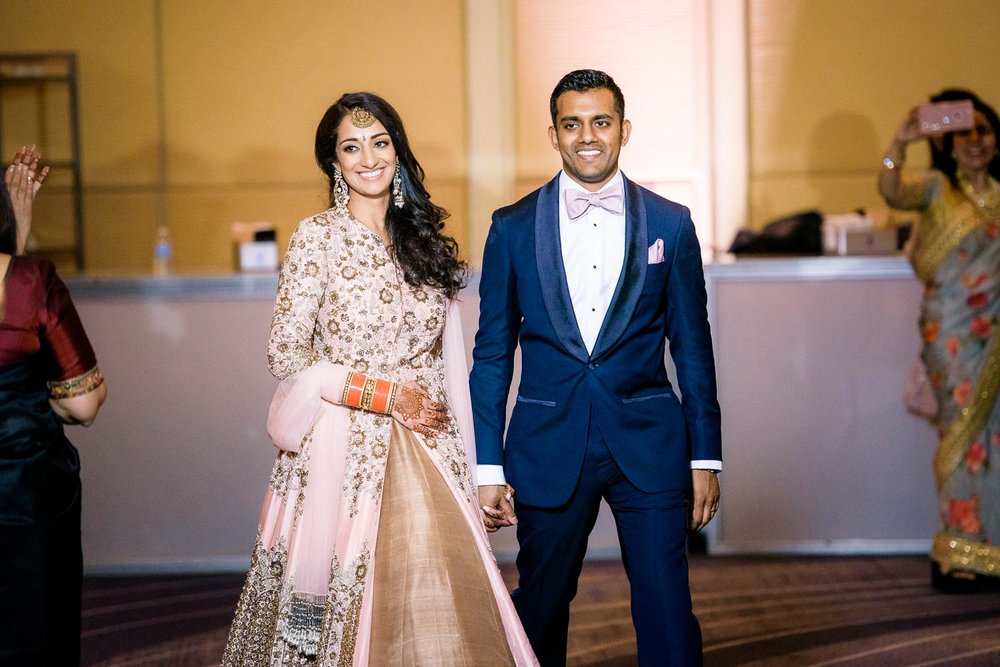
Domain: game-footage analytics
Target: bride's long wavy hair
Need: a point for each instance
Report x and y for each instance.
(425, 254)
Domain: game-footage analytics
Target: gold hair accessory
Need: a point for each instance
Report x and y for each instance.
(362, 117)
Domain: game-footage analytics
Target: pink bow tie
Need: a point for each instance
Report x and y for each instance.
(578, 202)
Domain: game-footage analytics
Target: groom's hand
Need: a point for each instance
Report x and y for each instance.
(704, 498)
(496, 506)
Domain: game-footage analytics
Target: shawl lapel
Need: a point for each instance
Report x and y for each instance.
(633, 274)
(552, 272)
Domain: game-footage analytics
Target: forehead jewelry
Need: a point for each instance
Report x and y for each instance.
(361, 117)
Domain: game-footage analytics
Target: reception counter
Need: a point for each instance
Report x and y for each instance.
(820, 457)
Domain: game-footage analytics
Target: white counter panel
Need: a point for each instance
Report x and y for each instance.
(820, 455)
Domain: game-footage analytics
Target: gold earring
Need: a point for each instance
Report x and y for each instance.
(340, 193)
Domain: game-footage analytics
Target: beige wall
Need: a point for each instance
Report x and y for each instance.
(243, 87)
(244, 84)
(830, 80)
(661, 63)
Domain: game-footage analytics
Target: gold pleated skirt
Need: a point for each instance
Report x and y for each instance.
(432, 602)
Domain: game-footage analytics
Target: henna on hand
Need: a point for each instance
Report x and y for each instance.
(416, 410)
(408, 404)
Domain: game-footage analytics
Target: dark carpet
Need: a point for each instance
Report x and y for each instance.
(800, 611)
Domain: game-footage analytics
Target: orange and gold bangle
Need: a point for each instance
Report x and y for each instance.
(383, 397)
(367, 393)
(354, 390)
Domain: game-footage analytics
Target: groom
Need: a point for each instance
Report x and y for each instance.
(589, 275)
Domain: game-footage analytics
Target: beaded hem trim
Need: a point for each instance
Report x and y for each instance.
(966, 554)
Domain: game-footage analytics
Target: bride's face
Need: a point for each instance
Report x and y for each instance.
(366, 157)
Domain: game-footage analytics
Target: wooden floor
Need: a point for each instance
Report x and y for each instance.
(753, 611)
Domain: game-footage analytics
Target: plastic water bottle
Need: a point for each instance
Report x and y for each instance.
(162, 252)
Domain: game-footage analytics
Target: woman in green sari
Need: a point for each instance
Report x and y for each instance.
(956, 255)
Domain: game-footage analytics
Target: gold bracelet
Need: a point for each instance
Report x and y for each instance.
(391, 403)
(78, 386)
(347, 388)
(369, 392)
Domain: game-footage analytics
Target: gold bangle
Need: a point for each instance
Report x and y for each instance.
(391, 403)
(369, 392)
(347, 388)
(78, 386)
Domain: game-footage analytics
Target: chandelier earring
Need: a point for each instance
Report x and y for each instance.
(397, 189)
(340, 193)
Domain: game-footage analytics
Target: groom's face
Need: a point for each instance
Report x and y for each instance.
(589, 134)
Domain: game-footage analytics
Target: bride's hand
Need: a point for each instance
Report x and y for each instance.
(416, 410)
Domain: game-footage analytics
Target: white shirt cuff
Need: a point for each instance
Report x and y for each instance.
(490, 474)
(702, 464)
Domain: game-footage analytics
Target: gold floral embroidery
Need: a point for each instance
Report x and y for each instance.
(291, 473)
(343, 610)
(250, 641)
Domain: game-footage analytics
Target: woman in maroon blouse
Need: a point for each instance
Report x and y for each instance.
(48, 377)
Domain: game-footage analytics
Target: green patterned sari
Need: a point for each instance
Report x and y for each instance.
(958, 259)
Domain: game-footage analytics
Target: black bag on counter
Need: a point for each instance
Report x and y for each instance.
(799, 234)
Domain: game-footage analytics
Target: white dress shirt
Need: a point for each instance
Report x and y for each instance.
(593, 252)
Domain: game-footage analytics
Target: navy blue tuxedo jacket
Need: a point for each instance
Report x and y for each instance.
(623, 383)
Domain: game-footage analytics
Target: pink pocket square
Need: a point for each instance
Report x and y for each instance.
(656, 252)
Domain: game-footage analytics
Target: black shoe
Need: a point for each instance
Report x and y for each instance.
(964, 582)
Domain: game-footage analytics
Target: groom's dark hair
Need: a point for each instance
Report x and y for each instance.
(582, 80)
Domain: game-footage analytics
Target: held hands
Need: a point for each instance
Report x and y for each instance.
(705, 496)
(497, 508)
(24, 179)
(416, 410)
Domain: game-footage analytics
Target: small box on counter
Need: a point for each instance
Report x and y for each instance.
(256, 248)
(857, 234)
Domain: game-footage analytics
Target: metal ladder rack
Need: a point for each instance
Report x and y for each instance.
(29, 85)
